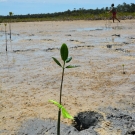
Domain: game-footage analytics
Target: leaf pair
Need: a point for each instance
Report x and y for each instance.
(64, 57)
(64, 111)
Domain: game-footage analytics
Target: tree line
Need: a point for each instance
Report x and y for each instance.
(76, 14)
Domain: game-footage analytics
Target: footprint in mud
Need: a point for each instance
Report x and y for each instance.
(77, 41)
(31, 35)
(126, 43)
(31, 50)
(47, 39)
(79, 46)
(73, 40)
(131, 38)
(122, 50)
(51, 49)
(109, 46)
(118, 35)
(86, 119)
(40, 31)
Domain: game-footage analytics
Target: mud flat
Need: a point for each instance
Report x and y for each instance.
(29, 77)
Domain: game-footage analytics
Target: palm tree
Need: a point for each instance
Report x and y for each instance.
(10, 13)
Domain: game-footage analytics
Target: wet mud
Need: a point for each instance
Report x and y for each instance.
(29, 78)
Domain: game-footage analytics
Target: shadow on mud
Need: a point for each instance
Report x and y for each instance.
(85, 123)
(87, 119)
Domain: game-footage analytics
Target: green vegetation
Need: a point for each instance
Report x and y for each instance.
(65, 59)
(125, 11)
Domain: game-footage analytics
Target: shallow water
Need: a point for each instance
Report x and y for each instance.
(27, 46)
(94, 29)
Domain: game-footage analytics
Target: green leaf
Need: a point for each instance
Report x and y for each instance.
(72, 66)
(68, 59)
(64, 52)
(65, 114)
(56, 103)
(57, 61)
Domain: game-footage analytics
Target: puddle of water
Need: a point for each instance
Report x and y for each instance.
(120, 39)
(103, 28)
(94, 29)
(18, 37)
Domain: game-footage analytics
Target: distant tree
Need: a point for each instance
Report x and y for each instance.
(132, 7)
(106, 8)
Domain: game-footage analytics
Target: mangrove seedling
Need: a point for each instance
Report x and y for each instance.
(65, 59)
(123, 69)
(6, 36)
(10, 14)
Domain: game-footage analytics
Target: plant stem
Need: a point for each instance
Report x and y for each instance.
(123, 70)
(58, 124)
(59, 112)
(10, 29)
(62, 82)
(6, 38)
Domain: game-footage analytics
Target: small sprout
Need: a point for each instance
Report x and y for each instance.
(123, 69)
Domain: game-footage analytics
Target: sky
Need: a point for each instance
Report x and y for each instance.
(23, 7)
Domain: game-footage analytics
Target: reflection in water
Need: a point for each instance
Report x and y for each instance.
(94, 29)
(7, 61)
(26, 48)
(113, 39)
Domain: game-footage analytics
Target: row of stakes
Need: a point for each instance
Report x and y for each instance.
(10, 13)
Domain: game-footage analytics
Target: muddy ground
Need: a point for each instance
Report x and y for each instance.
(29, 77)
